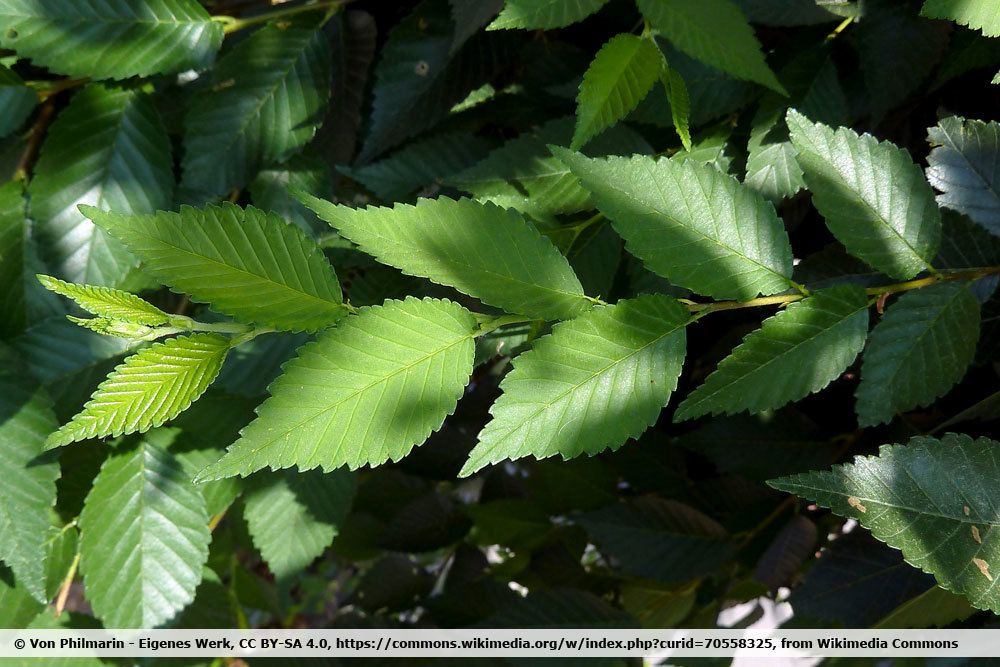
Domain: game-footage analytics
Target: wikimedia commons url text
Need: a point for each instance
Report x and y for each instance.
(499, 643)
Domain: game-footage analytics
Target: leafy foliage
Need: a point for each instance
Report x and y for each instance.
(919, 350)
(546, 218)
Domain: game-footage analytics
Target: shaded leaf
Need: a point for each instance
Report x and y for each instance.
(924, 499)
(963, 167)
(920, 349)
(713, 31)
(266, 98)
(293, 517)
(16, 99)
(107, 149)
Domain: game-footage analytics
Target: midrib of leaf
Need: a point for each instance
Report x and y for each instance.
(479, 269)
(715, 222)
(575, 387)
(239, 270)
(381, 380)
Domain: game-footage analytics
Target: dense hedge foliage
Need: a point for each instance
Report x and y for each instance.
(499, 314)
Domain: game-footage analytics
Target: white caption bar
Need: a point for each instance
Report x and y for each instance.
(499, 643)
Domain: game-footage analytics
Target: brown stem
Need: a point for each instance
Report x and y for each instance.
(38, 129)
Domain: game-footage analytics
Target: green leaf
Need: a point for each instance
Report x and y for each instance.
(108, 149)
(592, 384)
(795, 353)
(920, 349)
(144, 536)
(243, 262)
(523, 175)
(934, 500)
(874, 198)
(659, 539)
(364, 393)
(621, 74)
(108, 303)
(28, 491)
(715, 32)
(935, 607)
(963, 167)
(111, 39)
(17, 605)
(266, 99)
(543, 14)
(293, 517)
(981, 15)
(690, 223)
(150, 387)
(479, 249)
(680, 103)
(17, 101)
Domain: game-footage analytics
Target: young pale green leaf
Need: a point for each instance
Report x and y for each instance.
(690, 223)
(478, 248)
(245, 263)
(108, 303)
(363, 393)
(715, 32)
(16, 99)
(543, 14)
(920, 349)
(143, 536)
(680, 103)
(590, 385)
(874, 198)
(111, 39)
(659, 539)
(293, 517)
(28, 491)
(621, 74)
(268, 96)
(963, 166)
(983, 15)
(795, 353)
(108, 149)
(934, 500)
(523, 175)
(150, 387)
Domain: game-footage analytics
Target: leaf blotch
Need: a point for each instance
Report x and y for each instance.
(983, 566)
(975, 535)
(855, 502)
